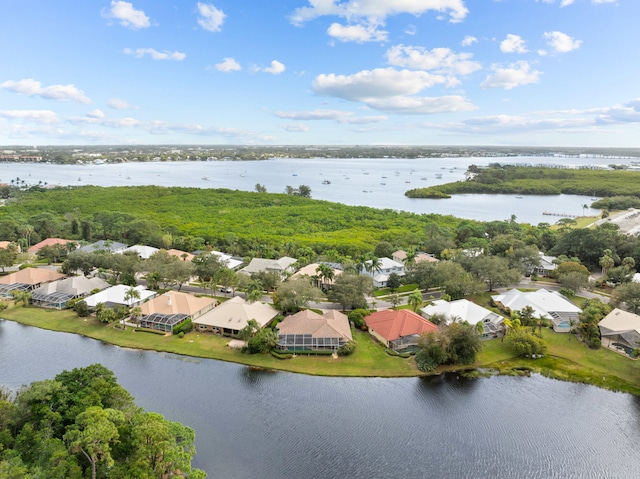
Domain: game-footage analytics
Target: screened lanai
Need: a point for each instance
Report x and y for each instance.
(7, 289)
(163, 322)
(56, 300)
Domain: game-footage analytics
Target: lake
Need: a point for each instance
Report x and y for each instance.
(379, 183)
(275, 424)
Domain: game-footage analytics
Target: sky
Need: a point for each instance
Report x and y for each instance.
(320, 72)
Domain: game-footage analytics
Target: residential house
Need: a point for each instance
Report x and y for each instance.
(173, 308)
(144, 252)
(380, 275)
(398, 329)
(104, 245)
(467, 311)
(400, 256)
(27, 279)
(310, 270)
(115, 296)
(227, 260)
(310, 331)
(546, 304)
(232, 316)
(281, 266)
(58, 293)
(5, 245)
(50, 242)
(546, 267)
(183, 255)
(620, 331)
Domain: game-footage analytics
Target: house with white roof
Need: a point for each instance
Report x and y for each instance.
(115, 295)
(227, 260)
(546, 304)
(546, 266)
(380, 275)
(620, 331)
(145, 252)
(104, 245)
(467, 311)
(258, 265)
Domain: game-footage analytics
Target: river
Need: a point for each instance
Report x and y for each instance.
(275, 424)
(379, 183)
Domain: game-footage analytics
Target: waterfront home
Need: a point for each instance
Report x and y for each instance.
(281, 266)
(27, 279)
(398, 329)
(104, 245)
(232, 316)
(173, 308)
(620, 331)
(464, 310)
(58, 293)
(51, 242)
(546, 304)
(115, 296)
(309, 331)
(380, 274)
(144, 252)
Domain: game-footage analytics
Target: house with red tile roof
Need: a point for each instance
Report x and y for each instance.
(5, 245)
(398, 329)
(50, 242)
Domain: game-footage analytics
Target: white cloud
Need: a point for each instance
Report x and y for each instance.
(275, 69)
(517, 74)
(339, 116)
(228, 65)
(561, 42)
(295, 127)
(97, 113)
(513, 44)
(31, 87)
(127, 15)
(409, 105)
(118, 104)
(411, 30)
(381, 82)
(357, 33)
(468, 40)
(155, 54)
(211, 18)
(38, 116)
(440, 60)
(377, 10)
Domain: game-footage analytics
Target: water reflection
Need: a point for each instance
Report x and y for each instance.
(258, 423)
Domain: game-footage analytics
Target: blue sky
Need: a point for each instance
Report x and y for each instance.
(396, 72)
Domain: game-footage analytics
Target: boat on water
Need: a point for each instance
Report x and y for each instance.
(519, 197)
(438, 175)
(424, 178)
(326, 182)
(206, 178)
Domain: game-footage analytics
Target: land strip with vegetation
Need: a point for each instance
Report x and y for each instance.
(524, 180)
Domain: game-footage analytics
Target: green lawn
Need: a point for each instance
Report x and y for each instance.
(566, 359)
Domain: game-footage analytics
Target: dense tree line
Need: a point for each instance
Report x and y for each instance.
(84, 424)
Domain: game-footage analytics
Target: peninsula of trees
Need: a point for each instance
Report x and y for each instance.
(525, 180)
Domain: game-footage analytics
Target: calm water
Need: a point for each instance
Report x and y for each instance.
(275, 425)
(353, 182)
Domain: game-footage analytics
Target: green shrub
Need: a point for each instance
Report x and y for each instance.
(406, 355)
(181, 334)
(81, 308)
(357, 318)
(281, 355)
(347, 349)
(3, 305)
(391, 352)
(184, 327)
(152, 331)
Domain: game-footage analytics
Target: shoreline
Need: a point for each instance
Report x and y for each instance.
(369, 360)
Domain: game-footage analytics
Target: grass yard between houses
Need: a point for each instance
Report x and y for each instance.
(566, 359)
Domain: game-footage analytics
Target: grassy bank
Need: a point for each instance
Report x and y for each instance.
(567, 359)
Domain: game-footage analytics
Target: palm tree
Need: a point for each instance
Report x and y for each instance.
(410, 260)
(325, 273)
(415, 300)
(129, 296)
(22, 296)
(136, 313)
